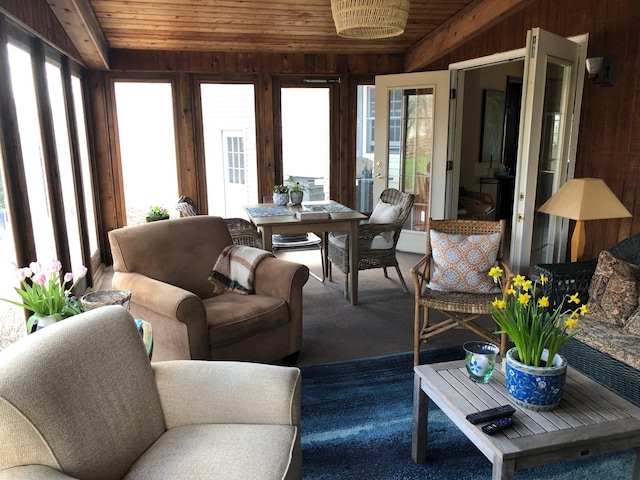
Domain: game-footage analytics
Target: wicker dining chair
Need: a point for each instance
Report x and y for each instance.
(461, 309)
(243, 232)
(371, 254)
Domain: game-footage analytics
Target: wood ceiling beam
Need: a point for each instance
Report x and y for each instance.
(81, 24)
(472, 21)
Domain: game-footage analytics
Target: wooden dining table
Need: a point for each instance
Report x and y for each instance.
(273, 219)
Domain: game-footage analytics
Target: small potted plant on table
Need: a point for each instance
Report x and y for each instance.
(296, 192)
(280, 194)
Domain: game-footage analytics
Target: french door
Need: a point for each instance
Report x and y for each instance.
(412, 154)
(412, 112)
(547, 144)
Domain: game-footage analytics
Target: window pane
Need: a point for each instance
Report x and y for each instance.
(364, 147)
(305, 139)
(61, 131)
(147, 147)
(78, 104)
(24, 94)
(228, 118)
(12, 321)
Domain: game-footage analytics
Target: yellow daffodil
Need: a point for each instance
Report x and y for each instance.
(495, 272)
(574, 298)
(543, 279)
(526, 285)
(524, 298)
(501, 304)
(517, 281)
(584, 309)
(571, 322)
(543, 302)
(511, 291)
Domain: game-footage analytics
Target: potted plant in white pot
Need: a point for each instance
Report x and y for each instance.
(280, 194)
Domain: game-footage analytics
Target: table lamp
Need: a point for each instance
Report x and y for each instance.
(583, 199)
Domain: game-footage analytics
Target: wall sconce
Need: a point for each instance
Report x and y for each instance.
(602, 70)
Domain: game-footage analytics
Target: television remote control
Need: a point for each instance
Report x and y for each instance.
(497, 425)
(491, 414)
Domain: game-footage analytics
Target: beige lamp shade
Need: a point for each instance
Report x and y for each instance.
(370, 19)
(585, 199)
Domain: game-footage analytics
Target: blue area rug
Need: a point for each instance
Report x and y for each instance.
(356, 424)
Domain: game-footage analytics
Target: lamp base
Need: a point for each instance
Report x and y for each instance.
(578, 241)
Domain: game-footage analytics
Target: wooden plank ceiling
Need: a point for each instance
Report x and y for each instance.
(260, 26)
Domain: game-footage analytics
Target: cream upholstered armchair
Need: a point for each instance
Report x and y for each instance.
(80, 400)
(377, 239)
(166, 265)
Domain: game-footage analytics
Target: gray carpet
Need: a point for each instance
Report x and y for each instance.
(381, 323)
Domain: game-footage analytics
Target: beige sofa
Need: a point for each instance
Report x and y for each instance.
(80, 399)
(166, 265)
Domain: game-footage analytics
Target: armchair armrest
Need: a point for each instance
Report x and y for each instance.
(193, 392)
(421, 273)
(566, 278)
(279, 278)
(169, 309)
(29, 472)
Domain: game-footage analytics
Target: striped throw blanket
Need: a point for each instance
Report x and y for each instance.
(235, 269)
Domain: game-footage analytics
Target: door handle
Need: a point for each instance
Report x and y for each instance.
(379, 176)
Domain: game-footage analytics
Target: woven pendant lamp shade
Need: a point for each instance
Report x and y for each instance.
(370, 19)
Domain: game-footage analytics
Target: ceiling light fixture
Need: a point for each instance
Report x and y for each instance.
(370, 19)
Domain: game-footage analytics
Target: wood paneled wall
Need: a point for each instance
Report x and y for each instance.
(608, 146)
(609, 132)
(36, 16)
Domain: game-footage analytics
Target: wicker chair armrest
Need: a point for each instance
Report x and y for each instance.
(369, 231)
(566, 279)
(421, 273)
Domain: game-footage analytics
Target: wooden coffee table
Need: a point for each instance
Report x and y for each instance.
(590, 419)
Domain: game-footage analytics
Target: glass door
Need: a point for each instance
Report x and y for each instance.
(412, 112)
(548, 135)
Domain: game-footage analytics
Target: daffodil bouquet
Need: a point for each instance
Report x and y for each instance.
(530, 322)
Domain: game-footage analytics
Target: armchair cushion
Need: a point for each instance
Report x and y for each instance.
(379, 242)
(614, 288)
(385, 213)
(461, 263)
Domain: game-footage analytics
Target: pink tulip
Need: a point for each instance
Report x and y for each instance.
(68, 277)
(23, 273)
(39, 279)
(56, 266)
(35, 267)
(83, 272)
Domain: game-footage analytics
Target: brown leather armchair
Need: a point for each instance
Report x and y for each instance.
(166, 266)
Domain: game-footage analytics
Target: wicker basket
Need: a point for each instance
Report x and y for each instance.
(106, 297)
(369, 19)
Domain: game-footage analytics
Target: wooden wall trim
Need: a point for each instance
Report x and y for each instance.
(269, 63)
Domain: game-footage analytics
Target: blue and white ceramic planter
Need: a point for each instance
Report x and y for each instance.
(535, 388)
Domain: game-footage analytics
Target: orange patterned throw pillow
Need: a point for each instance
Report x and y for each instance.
(461, 263)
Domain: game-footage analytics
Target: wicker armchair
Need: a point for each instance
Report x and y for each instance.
(371, 254)
(244, 232)
(477, 206)
(574, 277)
(461, 309)
(186, 207)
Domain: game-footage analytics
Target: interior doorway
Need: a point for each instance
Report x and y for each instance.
(490, 111)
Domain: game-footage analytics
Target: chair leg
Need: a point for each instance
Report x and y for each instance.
(384, 269)
(417, 331)
(404, 285)
(346, 286)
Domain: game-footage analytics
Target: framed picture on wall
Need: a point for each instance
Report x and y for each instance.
(492, 126)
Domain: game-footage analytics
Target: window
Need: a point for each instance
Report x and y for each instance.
(87, 186)
(229, 128)
(61, 132)
(365, 134)
(234, 152)
(147, 147)
(305, 139)
(23, 87)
